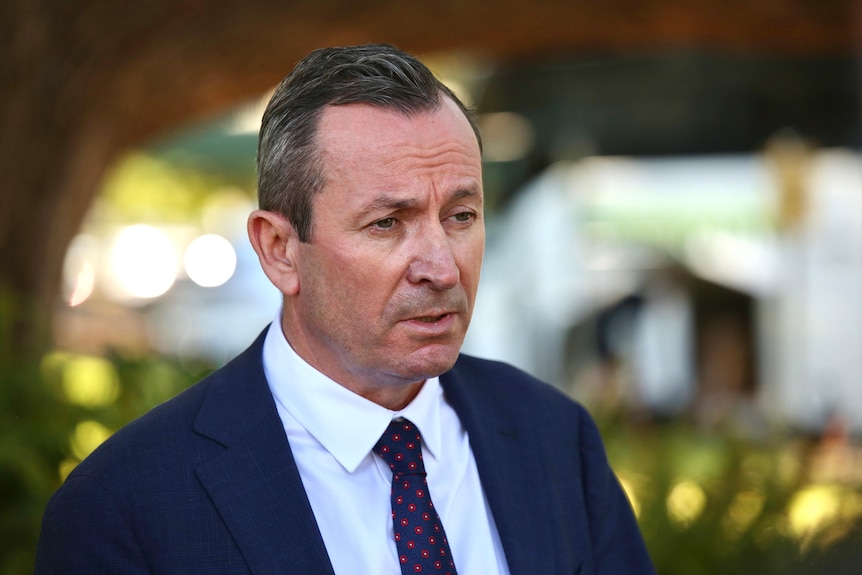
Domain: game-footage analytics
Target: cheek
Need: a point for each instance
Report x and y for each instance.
(363, 284)
(470, 262)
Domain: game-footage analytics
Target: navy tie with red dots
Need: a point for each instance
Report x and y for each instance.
(419, 536)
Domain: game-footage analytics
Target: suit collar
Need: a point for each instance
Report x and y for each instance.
(257, 489)
(328, 410)
(254, 483)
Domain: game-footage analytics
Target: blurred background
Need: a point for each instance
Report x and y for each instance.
(674, 213)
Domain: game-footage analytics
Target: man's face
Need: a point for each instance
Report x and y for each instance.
(388, 281)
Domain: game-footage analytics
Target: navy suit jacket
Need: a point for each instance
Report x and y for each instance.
(206, 484)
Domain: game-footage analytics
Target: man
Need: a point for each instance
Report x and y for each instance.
(308, 453)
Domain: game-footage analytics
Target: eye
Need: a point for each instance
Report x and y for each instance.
(385, 223)
(464, 216)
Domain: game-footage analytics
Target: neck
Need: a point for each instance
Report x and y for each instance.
(391, 397)
(392, 393)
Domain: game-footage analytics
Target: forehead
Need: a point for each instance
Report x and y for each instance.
(373, 138)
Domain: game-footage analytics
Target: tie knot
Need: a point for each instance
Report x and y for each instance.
(401, 447)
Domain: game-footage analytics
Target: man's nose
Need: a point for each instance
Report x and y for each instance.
(433, 259)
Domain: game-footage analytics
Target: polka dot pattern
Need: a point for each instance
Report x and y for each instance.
(419, 536)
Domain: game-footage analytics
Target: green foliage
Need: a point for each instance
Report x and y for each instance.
(143, 188)
(31, 420)
(710, 502)
(46, 427)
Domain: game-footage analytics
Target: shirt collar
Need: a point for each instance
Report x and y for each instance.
(346, 424)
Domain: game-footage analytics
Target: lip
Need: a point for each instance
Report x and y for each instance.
(433, 323)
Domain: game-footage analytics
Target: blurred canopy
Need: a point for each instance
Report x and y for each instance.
(84, 80)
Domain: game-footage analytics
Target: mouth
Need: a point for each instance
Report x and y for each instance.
(431, 318)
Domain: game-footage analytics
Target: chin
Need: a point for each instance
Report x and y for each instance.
(431, 362)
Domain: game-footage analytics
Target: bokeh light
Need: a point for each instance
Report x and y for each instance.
(686, 502)
(88, 435)
(85, 281)
(813, 507)
(79, 269)
(144, 261)
(745, 508)
(210, 260)
(507, 136)
(90, 381)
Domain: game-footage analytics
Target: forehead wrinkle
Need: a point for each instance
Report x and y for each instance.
(386, 201)
(430, 157)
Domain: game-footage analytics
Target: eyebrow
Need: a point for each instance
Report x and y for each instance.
(466, 193)
(388, 202)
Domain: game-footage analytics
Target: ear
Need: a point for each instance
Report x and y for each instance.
(275, 240)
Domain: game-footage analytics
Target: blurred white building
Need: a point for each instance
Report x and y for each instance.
(585, 235)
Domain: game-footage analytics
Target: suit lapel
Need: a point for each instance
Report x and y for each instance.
(254, 483)
(256, 487)
(509, 468)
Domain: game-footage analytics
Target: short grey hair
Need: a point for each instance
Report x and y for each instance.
(289, 166)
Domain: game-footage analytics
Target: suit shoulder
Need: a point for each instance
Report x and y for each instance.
(481, 368)
(167, 431)
(512, 384)
(158, 428)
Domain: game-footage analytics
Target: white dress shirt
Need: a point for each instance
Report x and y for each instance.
(332, 431)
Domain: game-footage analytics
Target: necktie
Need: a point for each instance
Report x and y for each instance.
(419, 536)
